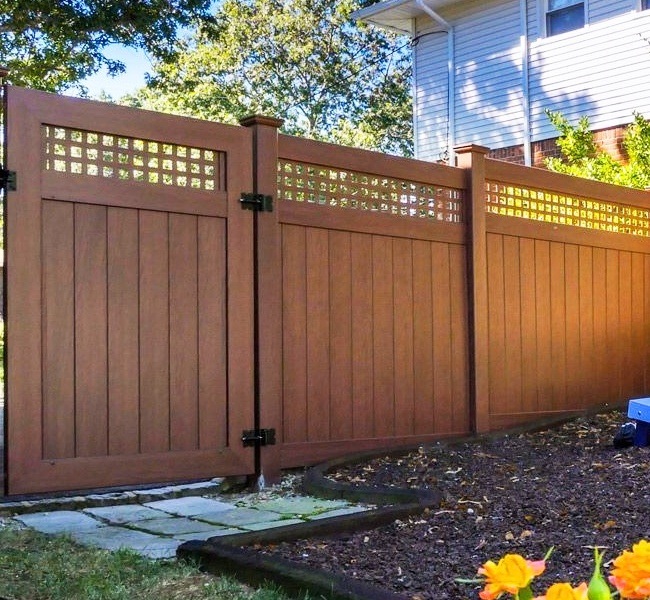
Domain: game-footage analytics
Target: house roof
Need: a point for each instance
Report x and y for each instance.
(397, 15)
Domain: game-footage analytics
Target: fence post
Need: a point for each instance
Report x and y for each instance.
(472, 158)
(268, 297)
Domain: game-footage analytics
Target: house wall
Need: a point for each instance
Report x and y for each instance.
(600, 70)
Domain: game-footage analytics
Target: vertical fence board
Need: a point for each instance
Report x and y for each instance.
(442, 351)
(586, 317)
(612, 286)
(403, 331)
(637, 341)
(318, 328)
(423, 414)
(58, 330)
(123, 342)
(383, 337)
(341, 366)
(154, 332)
(459, 339)
(212, 294)
(512, 323)
(572, 330)
(90, 331)
(601, 344)
(558, 325)
(294, 273)
(363, 416)
(496, 325)
(626, 388)
(529, 401)
(543, 303)
(183, 332)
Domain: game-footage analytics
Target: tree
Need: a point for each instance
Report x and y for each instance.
(52, 44)
(305, 61)
(582, 157)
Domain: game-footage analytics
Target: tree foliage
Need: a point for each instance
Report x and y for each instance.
(582, 157)
(305, 61)
(52, 44)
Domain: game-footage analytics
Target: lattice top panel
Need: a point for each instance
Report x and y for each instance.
(329, 186)
(98, 154)
(552, 207)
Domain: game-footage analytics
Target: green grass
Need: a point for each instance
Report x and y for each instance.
(38, 567)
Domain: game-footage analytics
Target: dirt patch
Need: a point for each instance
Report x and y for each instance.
(565, 487)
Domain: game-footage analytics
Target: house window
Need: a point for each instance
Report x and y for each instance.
(565, 15)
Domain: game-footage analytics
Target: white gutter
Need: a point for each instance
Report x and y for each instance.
(451, 74)
(525, 89)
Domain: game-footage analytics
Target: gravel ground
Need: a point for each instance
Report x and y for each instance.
(565, 487)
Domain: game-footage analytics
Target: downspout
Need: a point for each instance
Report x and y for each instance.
(525, 88)
(414, 90)
(451, 75)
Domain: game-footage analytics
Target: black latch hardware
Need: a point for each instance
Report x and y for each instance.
(257, 202)
(258, 437)
(8, 179)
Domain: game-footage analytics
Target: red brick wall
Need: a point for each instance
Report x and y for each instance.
(610, 140)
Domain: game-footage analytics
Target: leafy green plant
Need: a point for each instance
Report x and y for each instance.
(582, 157)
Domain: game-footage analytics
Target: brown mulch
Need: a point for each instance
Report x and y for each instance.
(565, 487)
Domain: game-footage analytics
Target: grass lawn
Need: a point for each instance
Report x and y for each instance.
(38, 567)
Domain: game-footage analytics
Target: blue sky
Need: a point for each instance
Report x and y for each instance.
(137, 64)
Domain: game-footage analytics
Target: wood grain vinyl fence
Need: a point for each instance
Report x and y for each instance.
(382, 302)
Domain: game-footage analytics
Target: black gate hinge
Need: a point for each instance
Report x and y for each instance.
(257, 202)
(258, 437)
(8, 179)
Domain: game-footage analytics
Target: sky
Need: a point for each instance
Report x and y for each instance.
(137, 64)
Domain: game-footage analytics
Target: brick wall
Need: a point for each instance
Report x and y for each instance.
(610, 140)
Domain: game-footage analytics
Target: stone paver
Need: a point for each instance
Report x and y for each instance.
(173, 525)
(114, 538)
(271, 524)
(155, 528)
(240, 516)
(126, 513)
(59, 521)
(189, 506)
(300, 505)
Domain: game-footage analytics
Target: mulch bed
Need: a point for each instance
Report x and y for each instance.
(565, 487)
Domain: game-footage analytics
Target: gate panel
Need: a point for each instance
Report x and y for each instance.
(128, 362)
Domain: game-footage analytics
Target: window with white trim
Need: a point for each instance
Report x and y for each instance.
(565, 15)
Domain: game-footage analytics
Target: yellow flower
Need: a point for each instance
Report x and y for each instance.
(631, 572)
(564, 591)
(511, 574)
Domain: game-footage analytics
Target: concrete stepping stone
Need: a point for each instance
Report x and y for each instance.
(59, 521)
(236, 517)
(206, 535)
(114, 538)
(271, 524)
(173, 525)
(340, 512)
(189, 506)
(301, 505)
(126, 513)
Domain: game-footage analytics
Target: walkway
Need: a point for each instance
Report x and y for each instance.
(155, 528)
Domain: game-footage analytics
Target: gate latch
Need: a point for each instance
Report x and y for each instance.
(256, 202)
(258, 437)
(8, 179)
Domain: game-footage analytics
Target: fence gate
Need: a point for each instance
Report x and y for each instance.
(129, 296)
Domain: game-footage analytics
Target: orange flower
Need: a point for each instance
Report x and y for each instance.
(564, 591)
(631, 572)
(511, 574)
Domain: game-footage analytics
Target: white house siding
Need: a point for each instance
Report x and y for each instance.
(600, 71)
(488, 71)
(431, 95)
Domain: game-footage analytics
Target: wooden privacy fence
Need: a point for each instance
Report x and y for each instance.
(381, 302)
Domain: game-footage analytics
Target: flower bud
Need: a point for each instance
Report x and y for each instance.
(598, 588)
